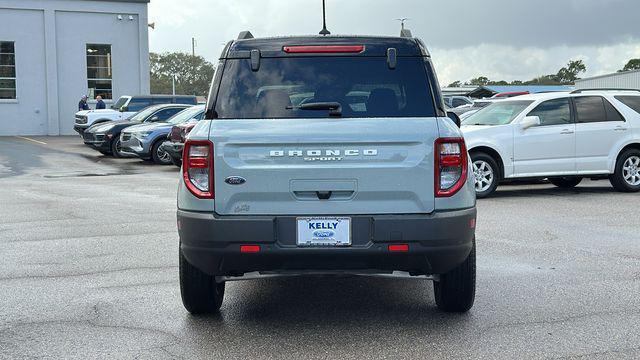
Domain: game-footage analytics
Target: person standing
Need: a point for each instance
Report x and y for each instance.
(82, 105)
(100, 105)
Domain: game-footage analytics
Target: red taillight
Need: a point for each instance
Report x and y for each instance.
(197, 168)
(323, 49)
(399, 248)
(450, 166)
(249, 248)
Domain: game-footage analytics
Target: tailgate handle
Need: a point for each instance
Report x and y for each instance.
(324, 195)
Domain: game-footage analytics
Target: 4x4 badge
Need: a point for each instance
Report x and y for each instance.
(235, 180)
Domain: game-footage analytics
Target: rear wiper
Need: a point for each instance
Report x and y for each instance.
(335, 108)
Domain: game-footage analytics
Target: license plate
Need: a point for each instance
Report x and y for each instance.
(324, 231)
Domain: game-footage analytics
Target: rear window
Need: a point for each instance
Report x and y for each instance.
(631, 101)
(364, 87)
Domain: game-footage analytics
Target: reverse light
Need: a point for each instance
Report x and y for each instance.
(450, 166)
(197, 168)
(323, 49)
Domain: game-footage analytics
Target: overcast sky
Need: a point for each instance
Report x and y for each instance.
(500, 39)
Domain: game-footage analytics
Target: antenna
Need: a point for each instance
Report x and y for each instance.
(324, 30)
(402, 21)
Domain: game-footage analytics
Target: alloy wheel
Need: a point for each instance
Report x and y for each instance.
(163, 156)
(483, 175)
(631, 170)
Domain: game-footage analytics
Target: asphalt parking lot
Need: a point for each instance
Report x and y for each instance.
(89, 270)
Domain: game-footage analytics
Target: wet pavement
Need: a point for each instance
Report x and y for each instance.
(89, 270)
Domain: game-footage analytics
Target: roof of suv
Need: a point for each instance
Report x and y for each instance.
(373, 45)
(557, 94)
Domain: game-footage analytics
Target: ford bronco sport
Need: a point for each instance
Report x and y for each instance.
(326, 155)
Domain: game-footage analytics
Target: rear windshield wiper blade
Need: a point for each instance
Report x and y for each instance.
(335, 108)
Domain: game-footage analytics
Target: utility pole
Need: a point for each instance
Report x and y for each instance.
(193, 47)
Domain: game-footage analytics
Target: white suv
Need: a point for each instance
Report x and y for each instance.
(560, 136)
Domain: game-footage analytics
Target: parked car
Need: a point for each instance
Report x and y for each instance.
(457, 101)
(145, 140)
(175, 141)
(125, 107)
(509, 94)
(272, 188)
(105, 137)
(468, 110)
(560, 136)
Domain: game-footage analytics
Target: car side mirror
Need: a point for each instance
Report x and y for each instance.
(124, 108)
(154, 118)
(453, 116)
(529, 121)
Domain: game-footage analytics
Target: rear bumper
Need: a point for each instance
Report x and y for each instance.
(437, 242)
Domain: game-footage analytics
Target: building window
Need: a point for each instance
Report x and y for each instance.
(7, 70)
(99, 71)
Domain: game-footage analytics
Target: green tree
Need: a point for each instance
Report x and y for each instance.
(193, 73)
(569, 74)
(633, 64)
(479, 81)
(544, 80)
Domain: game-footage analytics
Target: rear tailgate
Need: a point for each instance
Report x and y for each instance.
(324, 166)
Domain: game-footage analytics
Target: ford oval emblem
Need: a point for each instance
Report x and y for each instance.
(235, 180)
(323, 233)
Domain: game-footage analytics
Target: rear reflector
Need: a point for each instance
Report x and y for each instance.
(249, 248)
(399, 248)
(323, 49)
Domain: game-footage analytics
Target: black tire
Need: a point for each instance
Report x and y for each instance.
(177, 162)
(200, 292)
(566, 182)
(106, 153)
(115, 146)
(617, 179)
(492, 163)
(155, 149)
(456, 290)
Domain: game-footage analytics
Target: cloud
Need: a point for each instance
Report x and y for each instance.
(501, 39)
(501, 62)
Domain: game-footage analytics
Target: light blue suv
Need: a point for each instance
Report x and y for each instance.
(145, 140)
(326, 155)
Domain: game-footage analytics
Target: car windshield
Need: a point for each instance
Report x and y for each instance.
(498, 113)
(143, 114)
(305, 87)
(120, 103)
(185, 115)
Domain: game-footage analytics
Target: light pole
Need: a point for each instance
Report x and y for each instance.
(173, 84)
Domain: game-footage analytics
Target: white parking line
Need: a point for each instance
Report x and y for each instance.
(29, 139)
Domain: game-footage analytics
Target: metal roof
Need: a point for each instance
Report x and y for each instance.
(622, 73)
(490, 90)
(124, 1)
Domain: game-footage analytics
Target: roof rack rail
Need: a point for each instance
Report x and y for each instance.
(580, 91)
(244, 35)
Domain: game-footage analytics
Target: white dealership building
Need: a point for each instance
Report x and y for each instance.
(54, 51)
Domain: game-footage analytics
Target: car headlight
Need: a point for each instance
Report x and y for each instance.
(141, 134)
